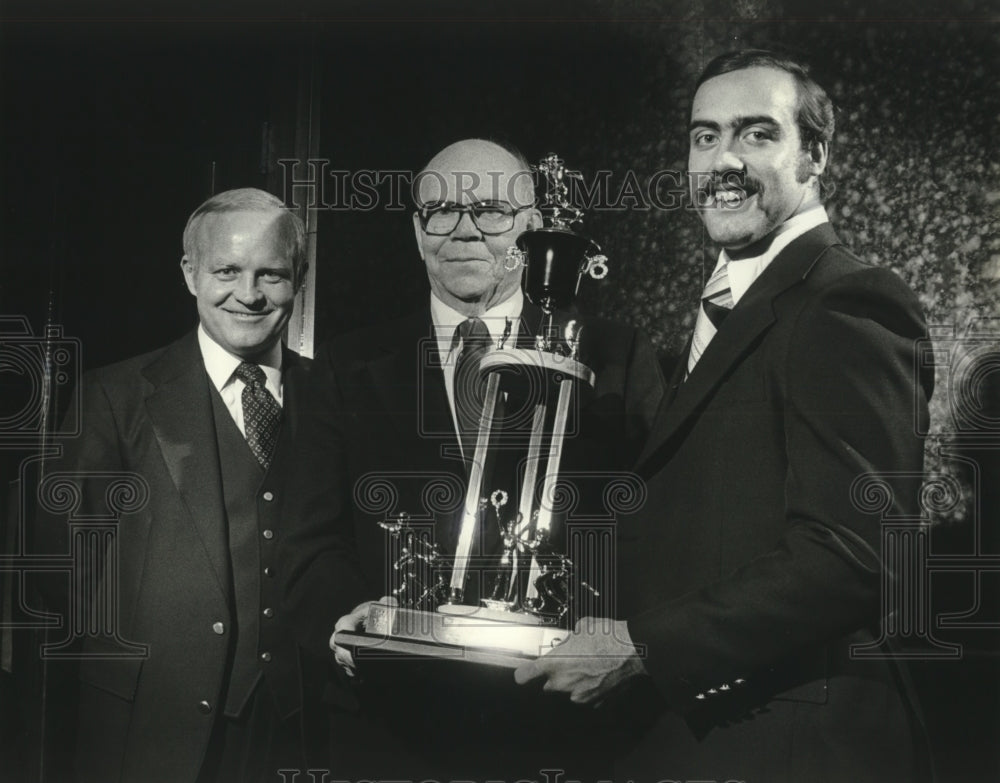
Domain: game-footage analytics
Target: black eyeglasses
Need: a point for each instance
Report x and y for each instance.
(490, 217)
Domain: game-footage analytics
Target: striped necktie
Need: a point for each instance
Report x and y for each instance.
(716, 303)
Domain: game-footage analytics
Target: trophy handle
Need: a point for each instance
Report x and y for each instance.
(595, 263)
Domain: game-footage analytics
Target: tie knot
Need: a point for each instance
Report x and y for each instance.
(250, 374)
(474, 334)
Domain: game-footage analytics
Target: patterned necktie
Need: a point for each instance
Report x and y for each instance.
(716, 304)
(470, 388)
(261, 413)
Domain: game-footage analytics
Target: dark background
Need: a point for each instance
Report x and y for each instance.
(115, 122)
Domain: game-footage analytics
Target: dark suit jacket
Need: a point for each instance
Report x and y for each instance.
(756, 562)
(373, 443)
(142, 720)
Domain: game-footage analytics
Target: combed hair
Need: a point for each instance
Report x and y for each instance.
(248, 200)
(815, 109)
(503, 144)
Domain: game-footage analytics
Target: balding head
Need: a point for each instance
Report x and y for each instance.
(465, 266)
(476, 170)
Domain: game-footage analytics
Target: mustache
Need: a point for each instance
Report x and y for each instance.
(706, 185)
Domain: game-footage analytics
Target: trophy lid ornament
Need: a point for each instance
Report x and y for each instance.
(557, 256)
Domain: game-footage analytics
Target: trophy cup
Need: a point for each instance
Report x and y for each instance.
(524, 610)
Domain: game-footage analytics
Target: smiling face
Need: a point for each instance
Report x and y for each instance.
(243, 278)
(747, 165)
(466, 267)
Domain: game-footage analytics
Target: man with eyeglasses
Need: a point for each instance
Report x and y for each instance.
(386, 437)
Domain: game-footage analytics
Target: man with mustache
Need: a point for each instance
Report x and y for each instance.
(386, 427)
(752, 579)
(204, 424)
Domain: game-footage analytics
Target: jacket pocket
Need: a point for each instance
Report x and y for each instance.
(108, 667)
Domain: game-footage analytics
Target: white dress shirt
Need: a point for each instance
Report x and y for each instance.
(742, 272)
(221, 365)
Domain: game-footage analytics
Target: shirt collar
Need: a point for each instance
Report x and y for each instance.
(744, 271)
(446, 319)
(220, 364)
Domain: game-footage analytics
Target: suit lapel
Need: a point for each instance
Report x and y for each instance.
(749, 320)
(180, 409)
(407, 377)
(292, 385)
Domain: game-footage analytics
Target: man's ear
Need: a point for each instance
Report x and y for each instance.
(819, 152)
(188, 267)
(418, 233)
(300, 279)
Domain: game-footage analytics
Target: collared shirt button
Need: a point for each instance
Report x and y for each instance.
(268, 533)
(268, 612)
(268, 496)
(219, 628)
(265, 656)
(204, 707)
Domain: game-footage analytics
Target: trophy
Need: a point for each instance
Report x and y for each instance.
(524, 608)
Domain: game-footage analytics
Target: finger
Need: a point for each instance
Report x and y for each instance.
(558, 685)
(355, 620)
(527, 672)
(343, 656)
(362, 608)
(583, 696)
(360, 615)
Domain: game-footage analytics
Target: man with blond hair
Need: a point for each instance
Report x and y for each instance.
(204, 424)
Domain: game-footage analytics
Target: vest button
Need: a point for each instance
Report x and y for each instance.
(268, 534)
(219, 628)
(269, 612)
(268, 571)
(265, 656)
(268, 496)
(204, 707)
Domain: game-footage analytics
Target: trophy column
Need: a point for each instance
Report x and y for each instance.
(524, 602)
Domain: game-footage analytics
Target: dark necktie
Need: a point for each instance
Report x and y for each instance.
(469, 385)
(716, 304)
(261, 413)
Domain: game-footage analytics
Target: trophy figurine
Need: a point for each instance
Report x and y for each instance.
(525, 610)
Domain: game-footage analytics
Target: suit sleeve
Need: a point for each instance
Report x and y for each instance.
(848, 411)
(318, 559)
(73, 477)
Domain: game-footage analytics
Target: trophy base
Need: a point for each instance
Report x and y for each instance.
(479, 635)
